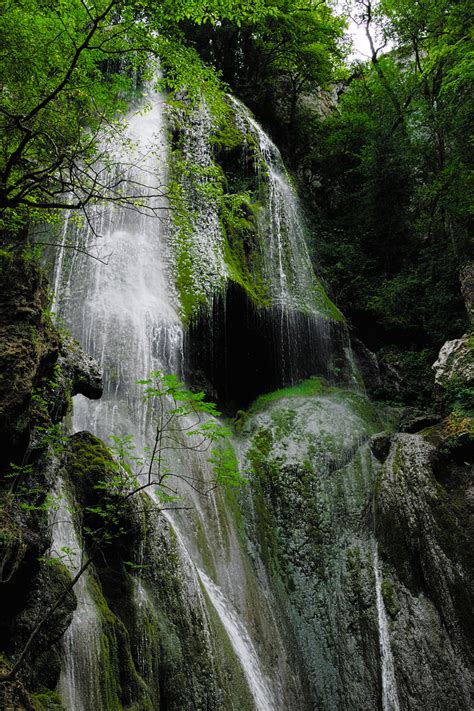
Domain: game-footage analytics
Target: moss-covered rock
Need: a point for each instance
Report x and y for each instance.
(42, 666)
(29, 349)
(423, 516)
(311, 482)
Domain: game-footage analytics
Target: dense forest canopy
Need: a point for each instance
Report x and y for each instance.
(381, 148)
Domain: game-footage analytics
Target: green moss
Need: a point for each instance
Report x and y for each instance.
(227, 136)
(284, 421)
(109, 663)
(89, 460)
(324, 304)
(311, 387)
(261, 445)
(355, 567)
(47, 701)
(390, 598)
(243, 263)
(232, 503)
(361, 406)
(120, 681)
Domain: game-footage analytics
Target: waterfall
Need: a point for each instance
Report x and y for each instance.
(125, 313)
(287, 262)
(260, 318)
(389, 684)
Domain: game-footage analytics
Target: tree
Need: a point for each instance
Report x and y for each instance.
(67, 72)
(183, 420)
(274, 60)
(388, 173)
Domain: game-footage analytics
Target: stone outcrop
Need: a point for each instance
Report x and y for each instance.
(455, 363)
(39, 374)
(81, 369)
(29, 347)
(423, 515)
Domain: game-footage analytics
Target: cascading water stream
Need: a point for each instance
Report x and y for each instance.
(125, 315)
(242, 644)
(79, 682)
(390, 700)
(287, 261)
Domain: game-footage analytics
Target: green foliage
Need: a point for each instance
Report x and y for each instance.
(47, 700)
(226, 468)
(275, 58)
(387, 177)
(460, 397)
(68, 70)
(182, 420)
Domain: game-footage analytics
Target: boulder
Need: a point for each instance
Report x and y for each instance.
(456, 362)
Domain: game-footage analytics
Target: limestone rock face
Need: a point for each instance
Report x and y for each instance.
(455, 360)
(422, 515)
(312, 476)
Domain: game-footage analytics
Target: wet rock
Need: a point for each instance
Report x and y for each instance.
(424, 528)
(368, 365)
(43, 664)
(312, 478)
(13, 694)
(414, 421)
(29, 346)
(83, 370)
(455, 363)
(38, 376)
(380, 445)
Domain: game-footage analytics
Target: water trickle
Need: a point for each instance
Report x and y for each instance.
(242, 645)
(389, 684)
(79, 682)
